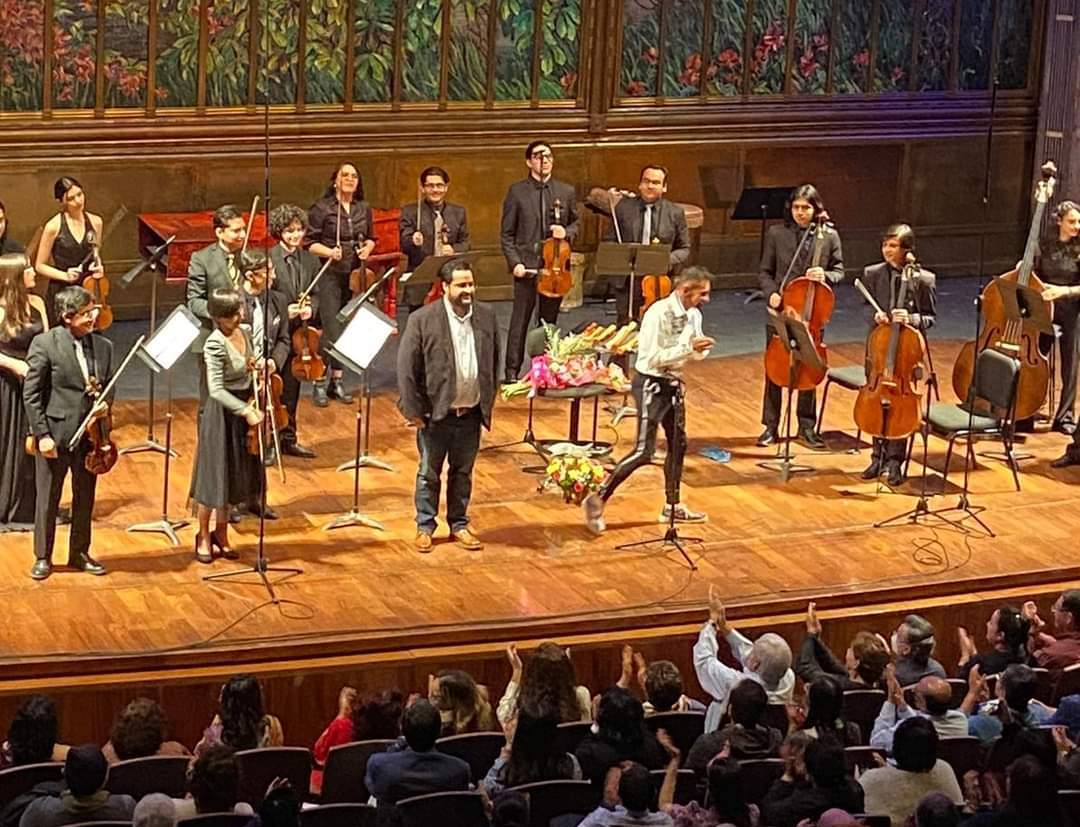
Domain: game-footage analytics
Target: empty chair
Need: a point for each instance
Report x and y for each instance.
(153, 774)
(862, 758)
(461, 809)
(962, 753)
(686, 789)
(851, 377)
(18, 780)
(343, 778)
(862, 707)
(338, 815)
(552, 799)
(570, 735)
(758, 775)
(215, 820)
(684, 728)
(258, 767)
(477, 749)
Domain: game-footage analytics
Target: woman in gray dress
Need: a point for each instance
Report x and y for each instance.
(225, 473)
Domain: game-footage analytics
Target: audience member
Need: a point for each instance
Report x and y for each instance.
(635, 796)
(660, 681)
(1006, 632)
(84, 797)
(154, 810)
(462, 703)
(419, 768)
(241, 722)
(896, 789)
(766, 660)
(1015, 703)
(529, 754)
(32, 734)
(619, 735)
(214, 784)
(280, 807)
(546, 679)
(1067, 715)
(358, 719)
(836, 817)
(1031, 798)
(727, 802)
(864, 662)
(824, 713)
(826, 784)
(746, 736)
(510, 809)
(140, 731)
(1056, 652)
(935, 810)
(913, 643)
(933, 697)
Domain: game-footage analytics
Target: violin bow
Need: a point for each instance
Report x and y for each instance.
(255, 397)
(250, 224)
(866, 295)
(307, 291)
(615, 217)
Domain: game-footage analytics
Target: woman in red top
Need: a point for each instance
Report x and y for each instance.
(377, 716)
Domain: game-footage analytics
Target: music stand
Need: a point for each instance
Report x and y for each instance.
(795, 337)
(165, 347)
(428, 270)
(761, 204)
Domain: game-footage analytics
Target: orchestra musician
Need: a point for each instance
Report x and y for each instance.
(7, 243)
(882, 280)
(648, 219)
(225, 472)
(339, 227)
(792, 243)
(528, 218)
(67, 367)
(1057, 261)
(294, 269)
(441, 229)
(66, 242)
(670, 336)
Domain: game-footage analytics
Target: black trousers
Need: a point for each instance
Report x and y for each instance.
(1066, 315)
(772, 405)
(659, 402)
(290, 398)
(334, 294)
(525, 301)
(889, 450)
(49, 475)
(621, 289)
(454, 439)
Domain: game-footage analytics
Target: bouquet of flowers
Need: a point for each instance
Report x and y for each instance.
(573, 472)
(574, 360)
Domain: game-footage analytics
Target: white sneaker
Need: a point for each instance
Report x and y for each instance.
(682, 515)
(593, 507)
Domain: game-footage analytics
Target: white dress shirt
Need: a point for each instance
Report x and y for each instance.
(664, 342)
(467, 384)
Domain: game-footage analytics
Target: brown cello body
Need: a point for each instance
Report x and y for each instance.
(813, 303)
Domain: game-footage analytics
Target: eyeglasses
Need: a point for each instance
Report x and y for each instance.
(88, 312)
(543, 155)
(430, 186)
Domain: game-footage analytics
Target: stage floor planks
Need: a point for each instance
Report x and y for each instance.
(768, 546)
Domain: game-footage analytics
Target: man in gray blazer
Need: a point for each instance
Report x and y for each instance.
(448, 363)
(423, 234)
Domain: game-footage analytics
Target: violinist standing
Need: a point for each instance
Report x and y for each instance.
(648, 219)
(66, 242)
(294, 269)
(339, 227)
(1057, 261)
(423, 236)
(782, 246)
(882, 280)
(67, 365)
(528, 218)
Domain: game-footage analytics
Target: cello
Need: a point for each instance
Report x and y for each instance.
(811, 302)
(1019, 338)
(555, 278)
(888, 404)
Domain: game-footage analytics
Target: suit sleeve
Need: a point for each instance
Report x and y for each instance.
(834, 271)
(281, 347)
(508, 230)
(815, 660)
(413, 403)
(925, 300)
(407, 225)
(36, 387)
(196, 287)
(463, 244)
(680, 244)
(767, 271)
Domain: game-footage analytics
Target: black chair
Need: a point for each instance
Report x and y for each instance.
(996, 380)
(874, 821)
(862, 758)
(776, 717)
(477, 749)
(101, 824)
(862, 707)
(215, 820)
(338, 815)
(1069, 805)
(758, 774)
(1068, 683)
(571, 734)
(462, 809)
(18, 780)
(850, 377)
(686, 787)
(962, 753)
(153, 774)
(684, 728)
(258, 767)
(553, 799)
(346, 764)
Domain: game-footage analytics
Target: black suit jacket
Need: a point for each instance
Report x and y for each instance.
(277, 328)
(668, 227)
(427, 375)
(308, 268)
(782, 245)
(457, 230)
(524, 229)
(208, 271)
(54, 391)
(883, 283)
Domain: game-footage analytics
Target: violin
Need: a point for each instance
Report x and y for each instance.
(1018, 338)
(98, 286)
(103, 452)
(653, 288)
(555, 278)
(811, 302)
(307, 365)
(888, 404)
(436, 291)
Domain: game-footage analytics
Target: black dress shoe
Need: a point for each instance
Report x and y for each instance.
(269, 457)
(1065, 460)
(896, 474)
(295, 449)
(337, 391)
(510, 378)
(41, 569)
(235, 516)
(87, 564)
(810, 438)
(259, 511)
(318, 394)
(872, 471)
(768, 437)
(1064, 426)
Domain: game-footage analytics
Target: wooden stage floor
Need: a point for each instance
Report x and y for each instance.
(768, 546)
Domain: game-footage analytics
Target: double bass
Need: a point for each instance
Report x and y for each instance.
(811, 302)
(555, 278)
(1019, 338)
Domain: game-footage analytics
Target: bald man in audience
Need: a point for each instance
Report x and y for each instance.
(933, 698)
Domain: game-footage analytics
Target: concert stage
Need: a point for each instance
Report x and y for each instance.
(368, 608)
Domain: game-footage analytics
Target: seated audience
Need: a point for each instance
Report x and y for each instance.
(139, 731)
(635, 797)
(660, 681)
(462, 703)
(374, 718)
(546, 679)
(836, 818)
(1015, 703)
(746, 736)
(913, 643)
(619, 735)
(510, 809)
(766, 660)
(84, 797)
(727, 803)
(32, 734)
(241, 723)
(1067, 715)
(1031, 797)
(214, 784)
(935, 810)
(824, 715)
(896, 789)
(419, 768)
(864, 662)
(280, 807)
(1062, 649)
(826, 784)
(1006, 632)
(933, 696)
(154, 810)
(529, 754)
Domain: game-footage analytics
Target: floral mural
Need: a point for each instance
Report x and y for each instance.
(74, 54)
(851, 49)
(324, 58)
(684, 35)
(278, 44)
(421, 46)
(640, 47)
(177, 52)
(559, 49)
(373, 73)
(810, 67)
(468, 50)
(227, 42)
(768, 34)
(22, 53)
(514, 49)
(126, 27)
(892, 72)
(725, 73)
(935, 46)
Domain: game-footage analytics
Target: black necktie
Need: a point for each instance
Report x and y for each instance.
(88, 352)
(290, 265)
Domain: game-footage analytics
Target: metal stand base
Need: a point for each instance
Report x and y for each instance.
(149, 444)
(162, 526)
(261, 568)
(671, 539)
(785, 467)
(353, 518)
(922, 509)
(365, 461)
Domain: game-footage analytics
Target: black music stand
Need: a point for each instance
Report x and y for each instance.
(795, 337)
(428, 270)
(762, 204)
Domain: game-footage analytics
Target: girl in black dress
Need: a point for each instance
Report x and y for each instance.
(22, 317)
(67, 241)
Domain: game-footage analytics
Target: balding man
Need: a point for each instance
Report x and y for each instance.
(933, 697)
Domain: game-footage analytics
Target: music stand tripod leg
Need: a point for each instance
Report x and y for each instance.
(164, 525)
(353, 517)
(363, 456)
(150, 443)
